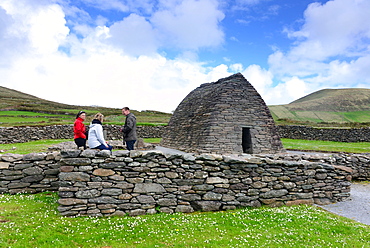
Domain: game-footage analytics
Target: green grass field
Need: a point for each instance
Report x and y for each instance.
(26, 118)
(291, 144)
(326, 146)
(33, 221)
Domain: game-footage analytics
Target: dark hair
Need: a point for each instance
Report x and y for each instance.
(80, 113)
(126, 108)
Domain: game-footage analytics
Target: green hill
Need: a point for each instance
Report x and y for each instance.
(333, 107)
(16, 106)
(327, 106)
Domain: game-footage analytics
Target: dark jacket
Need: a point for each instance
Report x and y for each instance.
(129, 129)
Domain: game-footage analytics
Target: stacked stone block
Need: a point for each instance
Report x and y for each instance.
(31, 173)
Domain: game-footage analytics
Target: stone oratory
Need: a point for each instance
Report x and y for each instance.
(224, 117)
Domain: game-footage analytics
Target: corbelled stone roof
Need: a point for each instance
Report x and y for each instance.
(224, 117)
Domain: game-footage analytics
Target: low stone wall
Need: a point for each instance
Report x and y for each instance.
(97, 183)
(24, 134)
(328, 134)
(358, 163)
(31, 173)
(11, 135)
(137, 183)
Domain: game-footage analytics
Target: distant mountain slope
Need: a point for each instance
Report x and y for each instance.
(18, 101)
(328, 105)
(15, 100)
(337, 100)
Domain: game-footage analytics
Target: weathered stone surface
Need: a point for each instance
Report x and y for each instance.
(70, 153)
(22, 166)
(145, 199)
(203, 187)
(128, 206)
(18, 185)
(85, 168)
(74, 176)
(125, 185)
(105, 200)
(149, 187)
(72, 201)
(213, 180)
(171, 175)
(9, 157)
(274, 193)
(121, 153)
(137, 212)
(89, 153)
(4, 165)
(111, 192)
(66, 168)
(117, 178)
(88, 193)
(33, 171)
(184, 209)
(190, 197)
(103, 172)
(51, 172)
(167, 202)
(103, 153)
(206, 206)
(75, 161)
(11, 172)
(32, 179)
(112, 165)
(211, 196)
(34, 156)
(125, 196)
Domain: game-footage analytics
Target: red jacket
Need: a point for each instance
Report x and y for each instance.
(79, 129)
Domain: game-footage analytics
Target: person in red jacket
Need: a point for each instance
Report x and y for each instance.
(79, 130)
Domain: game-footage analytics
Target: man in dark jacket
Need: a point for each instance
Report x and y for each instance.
(129, 129)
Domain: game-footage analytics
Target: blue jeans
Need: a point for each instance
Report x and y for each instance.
(103, 147)
(130, 144)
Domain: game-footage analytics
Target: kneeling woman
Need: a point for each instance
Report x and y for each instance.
(96, 138)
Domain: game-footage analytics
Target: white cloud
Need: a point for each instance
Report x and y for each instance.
(47, 29)
(90, 71)
(134, 35)
(330, 50)
(190, 25)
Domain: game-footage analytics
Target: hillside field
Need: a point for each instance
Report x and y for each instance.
(329, 107)
(20, 109)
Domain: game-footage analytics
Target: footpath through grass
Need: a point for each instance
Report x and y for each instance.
(33, 221)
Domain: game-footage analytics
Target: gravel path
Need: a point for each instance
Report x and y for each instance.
(357, 207)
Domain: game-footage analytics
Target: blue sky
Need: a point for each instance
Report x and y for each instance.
(150, 54)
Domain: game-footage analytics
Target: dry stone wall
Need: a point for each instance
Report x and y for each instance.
(97, 183)
(9, 135)
(328, 134)
(31, 173)
(137, 183)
